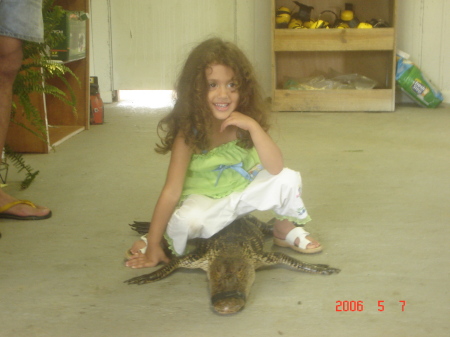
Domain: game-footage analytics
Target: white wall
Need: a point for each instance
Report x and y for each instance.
(152, 38)
(422, 31)
(253, 29)
(101, 47)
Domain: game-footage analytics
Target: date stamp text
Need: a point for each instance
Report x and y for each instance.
(345, 306)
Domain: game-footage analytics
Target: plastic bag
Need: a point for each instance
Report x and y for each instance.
(413, 82)
(313, 83)
(354, 81)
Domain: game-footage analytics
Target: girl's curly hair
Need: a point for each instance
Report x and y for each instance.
(191, 114)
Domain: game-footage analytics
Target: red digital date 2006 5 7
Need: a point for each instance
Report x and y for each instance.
(359, 305)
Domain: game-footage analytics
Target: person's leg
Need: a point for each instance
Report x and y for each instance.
(282, 194)
(10, 62)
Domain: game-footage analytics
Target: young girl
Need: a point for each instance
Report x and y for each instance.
(223, 163)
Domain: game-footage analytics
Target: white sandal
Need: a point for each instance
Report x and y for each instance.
(297, 232)
(128, 254)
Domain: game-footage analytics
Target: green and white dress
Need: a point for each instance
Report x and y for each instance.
(226, 183)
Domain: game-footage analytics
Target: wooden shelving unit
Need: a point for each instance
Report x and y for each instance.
(304, 53)
(61, 123)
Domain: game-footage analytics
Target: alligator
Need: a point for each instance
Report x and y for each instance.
(230, 259)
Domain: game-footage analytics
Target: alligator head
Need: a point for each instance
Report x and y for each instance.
(230, 281)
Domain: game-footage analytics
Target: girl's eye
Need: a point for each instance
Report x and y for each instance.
(232, 86)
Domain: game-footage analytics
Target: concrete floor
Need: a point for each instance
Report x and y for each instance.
(376, 184)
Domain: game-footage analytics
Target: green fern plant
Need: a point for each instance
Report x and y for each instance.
(33, 77)
(19, 163)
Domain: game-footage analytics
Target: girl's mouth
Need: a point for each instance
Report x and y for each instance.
(222, 106)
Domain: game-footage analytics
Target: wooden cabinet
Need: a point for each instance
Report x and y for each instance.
(61, 123)
(305, 53)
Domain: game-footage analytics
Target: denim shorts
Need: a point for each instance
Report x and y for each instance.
(22, 19)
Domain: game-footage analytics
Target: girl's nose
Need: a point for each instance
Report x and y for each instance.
(223, 91)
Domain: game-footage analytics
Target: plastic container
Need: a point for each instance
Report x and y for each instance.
(414, 83)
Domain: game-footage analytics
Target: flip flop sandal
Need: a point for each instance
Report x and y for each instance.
(129, 254)
(297, 232)
(18, 217)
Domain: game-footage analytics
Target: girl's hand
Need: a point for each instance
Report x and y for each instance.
(268, 151)
(240, 120)
(155, 256)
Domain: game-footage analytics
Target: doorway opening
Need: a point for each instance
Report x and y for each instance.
(152, 99)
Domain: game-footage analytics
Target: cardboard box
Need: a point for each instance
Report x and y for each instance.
(73, 47)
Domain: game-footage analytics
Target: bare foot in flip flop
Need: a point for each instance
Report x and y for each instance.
(11, 208)
(286, 234)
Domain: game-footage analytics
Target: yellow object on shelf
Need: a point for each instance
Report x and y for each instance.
(364, 25)
(319, 24)
(295, 24)
(343, 25)
(347, 15)
(283, 16)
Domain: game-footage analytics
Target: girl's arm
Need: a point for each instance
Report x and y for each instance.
(168, 200)
(269, 153)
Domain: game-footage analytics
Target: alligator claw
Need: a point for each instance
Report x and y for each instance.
(138, 280)
(329, 271)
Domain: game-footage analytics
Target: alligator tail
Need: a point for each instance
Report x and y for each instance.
(141, 227)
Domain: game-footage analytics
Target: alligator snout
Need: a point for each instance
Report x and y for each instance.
(228, 302)
(230, 280)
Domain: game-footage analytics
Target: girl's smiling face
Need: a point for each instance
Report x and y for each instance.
(223, 95)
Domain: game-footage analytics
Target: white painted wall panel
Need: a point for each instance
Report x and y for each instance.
(410, 27)
(444, 60)
(101, 48)
(432, 40)
(151, 38)
(253, 29)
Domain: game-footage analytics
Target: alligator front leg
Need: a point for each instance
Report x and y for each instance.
(191, 261)
(281, 258)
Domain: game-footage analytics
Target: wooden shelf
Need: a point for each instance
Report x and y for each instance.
(333, 100)
(60, 133)
(305, 53)
(333, 39)
(61, 122)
